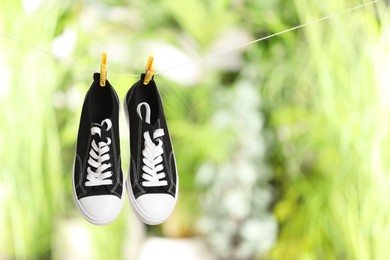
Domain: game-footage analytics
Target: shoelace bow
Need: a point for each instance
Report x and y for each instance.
(99, 154)
(152, 154)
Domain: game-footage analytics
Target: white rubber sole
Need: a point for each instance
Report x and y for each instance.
(140, 213)
(133, 203)
(110, 218)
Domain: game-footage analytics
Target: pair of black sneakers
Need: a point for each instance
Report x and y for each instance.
(152, 183)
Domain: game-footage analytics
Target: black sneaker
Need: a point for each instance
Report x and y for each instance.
(152, 183)
(97, 173)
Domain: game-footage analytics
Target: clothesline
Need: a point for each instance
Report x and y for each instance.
(239, 46)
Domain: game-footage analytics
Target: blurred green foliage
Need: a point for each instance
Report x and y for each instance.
(318, 97)
(31, 176)
(329, 113)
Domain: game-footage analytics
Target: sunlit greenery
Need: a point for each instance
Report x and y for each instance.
(329, 116)
(282, 147)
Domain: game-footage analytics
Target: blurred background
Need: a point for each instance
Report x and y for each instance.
(282, 147)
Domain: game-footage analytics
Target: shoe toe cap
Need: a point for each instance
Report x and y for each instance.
(155, 208)
(101, 209)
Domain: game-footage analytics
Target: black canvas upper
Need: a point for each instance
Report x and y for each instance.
(137, 94)
(100, 103)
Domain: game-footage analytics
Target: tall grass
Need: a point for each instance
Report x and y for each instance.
(328, 102)
(30, 172)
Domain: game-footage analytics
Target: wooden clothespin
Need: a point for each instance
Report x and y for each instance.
(149, 72)
(103, 70)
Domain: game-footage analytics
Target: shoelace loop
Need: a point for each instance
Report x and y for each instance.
(152, 153)
(99, 154)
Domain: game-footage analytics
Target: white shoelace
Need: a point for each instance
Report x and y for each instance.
(152, 153)
(97, 156)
